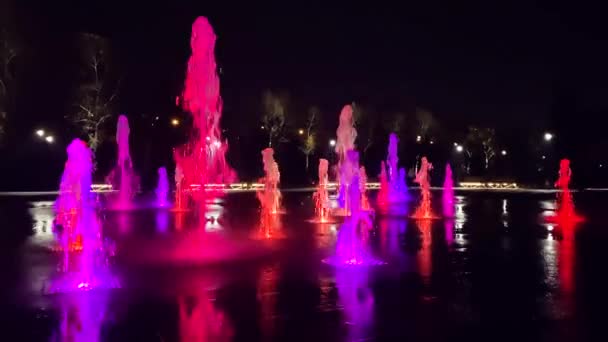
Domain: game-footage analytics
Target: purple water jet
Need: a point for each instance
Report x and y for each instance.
(84, 262)
(448, 192)
(352, 248)
(162, 188)
(123, 176)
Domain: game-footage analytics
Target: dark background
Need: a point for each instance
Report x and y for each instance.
(522, 68)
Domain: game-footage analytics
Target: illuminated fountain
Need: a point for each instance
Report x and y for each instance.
(162, 188)
(180, 198)
(394, 188)
(448, 193)
(346, 135)
(424, 210)
(123, 176)
(270, 196)
(363, 189)
(203, 159)
(352, 246)
(565, 205)
(84, 263)
(321, 196)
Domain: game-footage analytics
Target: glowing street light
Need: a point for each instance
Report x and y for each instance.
(49, 139)
(332, 142)
(418, 138)
(40, 133)
(300, 131)
(503, 152)
(459, 148)
(175, 122)
(548, 136)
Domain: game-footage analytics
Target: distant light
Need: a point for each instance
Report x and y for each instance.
(261, 127)
(208, 138)
(601, 165)
(503, 152)
(432, 142)
(156, 118)
(49, 139)
(455, 144)
(175, 122)
(549, 227)
(332, 142)
(543, 157)
(40, 133)
(301, 131)
(459, 148)
(548, 136)
(418, 138)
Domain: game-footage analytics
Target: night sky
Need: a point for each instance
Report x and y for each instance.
(502, 64)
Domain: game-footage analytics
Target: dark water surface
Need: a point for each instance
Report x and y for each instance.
(494, 272)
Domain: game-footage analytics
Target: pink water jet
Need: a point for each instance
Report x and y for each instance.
(203, 159)
(346, 135)
(424, 210)
(123, 176)
(566, 212)
(393, 188)
(162, 188)
(321, 195)
(352, 247)
(270, 196)
(448, 192)
(84, 263)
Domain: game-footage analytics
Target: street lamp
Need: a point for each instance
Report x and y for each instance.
(548, 136)
(40, 133)
(332, 142)
(300, 131)
(459, 148)
(175, 122)
(49, 139)
(418, 138)
(503, 152)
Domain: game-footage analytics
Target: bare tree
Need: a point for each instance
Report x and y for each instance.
(425, 122)
(309, 142)
(366, 122)
(274, 117)
(484, 140)
(8, 54)
(96, 94)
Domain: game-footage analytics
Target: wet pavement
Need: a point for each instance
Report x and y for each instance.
(495, 272)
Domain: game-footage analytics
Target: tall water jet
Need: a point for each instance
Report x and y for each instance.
(180, 200)
(565, 205)
(352, 247)
(424, 210)
(321, 196)
(84, 262)
(203, 159)
(397, 191)
(123, 176)
(346, 135)
(448, 192)
(162, 188)
(270, 196)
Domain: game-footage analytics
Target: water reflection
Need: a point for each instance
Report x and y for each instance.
(325, 234)
(423, 258)
(82, 317)
(357, 300)
(42, 216)
(162, 221)
(267, 295)
(200, 320)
